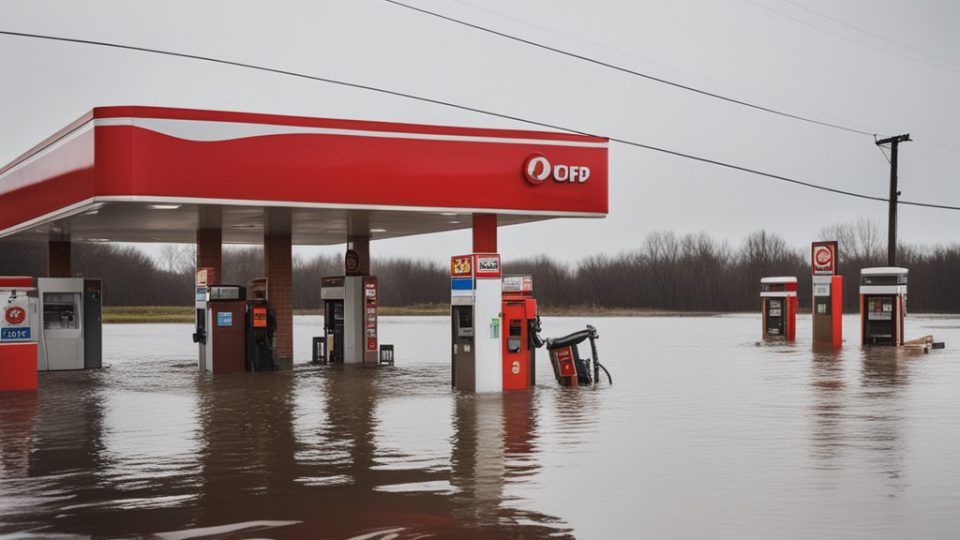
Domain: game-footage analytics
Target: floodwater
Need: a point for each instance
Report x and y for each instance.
(704, 434)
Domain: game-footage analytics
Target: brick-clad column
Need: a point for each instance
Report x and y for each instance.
(210, 253)
(484, 233)
(58, 258)
(278, 265)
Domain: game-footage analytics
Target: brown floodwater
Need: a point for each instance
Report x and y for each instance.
(704, 434)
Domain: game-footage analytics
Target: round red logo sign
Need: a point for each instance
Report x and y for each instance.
(536, 169)
(824, 256)
(15, 314)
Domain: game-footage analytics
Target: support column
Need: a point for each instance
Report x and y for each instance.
(487, 307)
(210, 252)
(361, 246)
(355, 319)
(278, 266)
(484, 233)
(58, 258)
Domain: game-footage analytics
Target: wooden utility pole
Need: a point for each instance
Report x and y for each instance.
(894, 143)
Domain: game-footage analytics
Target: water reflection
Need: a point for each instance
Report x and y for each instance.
(247, 464)
(60, 431)
(18, 411)
(753, 441)
(494, 445)
(885, 376)
(829, 398)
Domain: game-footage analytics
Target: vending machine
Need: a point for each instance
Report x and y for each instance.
(18, 333)
(350, 319)
(883, 305)
(70, 324)
(827, 295)
(778, 305)
(520, 327)
(475, 311)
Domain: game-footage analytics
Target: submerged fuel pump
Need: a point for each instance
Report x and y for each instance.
(521, 339)
(235, 334)
(568, 366)
(519, 314)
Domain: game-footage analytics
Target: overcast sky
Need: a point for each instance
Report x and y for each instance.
(817, 58)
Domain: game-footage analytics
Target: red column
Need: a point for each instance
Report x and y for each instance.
(484, 233)
(278, 263)
(836, 305)
(58, 258)
(210, 253)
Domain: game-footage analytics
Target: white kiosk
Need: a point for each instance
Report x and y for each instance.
(70, 324)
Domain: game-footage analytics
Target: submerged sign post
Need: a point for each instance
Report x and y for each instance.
(827, 294)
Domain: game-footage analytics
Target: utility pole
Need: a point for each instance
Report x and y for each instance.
(894, 143)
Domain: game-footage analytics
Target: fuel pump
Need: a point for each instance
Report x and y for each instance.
(225, 343)
(883, 305)
(827, 295)
(521, 324)
(200, 304)
(261, 325)
(778, 305)
(350, 317)
(476, 309)
(331, 294)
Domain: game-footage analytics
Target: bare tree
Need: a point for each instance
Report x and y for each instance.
(177, 258)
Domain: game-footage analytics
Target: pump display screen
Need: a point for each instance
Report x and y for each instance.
(464, 323)
(60, 311)
(776, 309)
(880, 309)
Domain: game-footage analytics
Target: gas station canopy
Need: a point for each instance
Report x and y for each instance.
(149, 174)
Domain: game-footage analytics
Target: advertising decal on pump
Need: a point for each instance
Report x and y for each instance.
(487, 266)
(15, 315)
(461, 275)
(461, 266)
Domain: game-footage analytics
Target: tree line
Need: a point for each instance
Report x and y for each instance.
(666, 271)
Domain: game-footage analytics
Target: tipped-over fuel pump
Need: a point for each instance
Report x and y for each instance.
(569, 367)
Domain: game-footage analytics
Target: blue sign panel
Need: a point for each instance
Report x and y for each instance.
(461, 284)
(15, 334)
(225, 319)
(201, 294)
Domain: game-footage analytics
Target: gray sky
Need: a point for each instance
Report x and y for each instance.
(771, 52)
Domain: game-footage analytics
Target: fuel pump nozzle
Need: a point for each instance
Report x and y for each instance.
(533, 330)
(597, 366)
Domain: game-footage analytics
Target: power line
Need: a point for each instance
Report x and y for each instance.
(846, 38)
(630, 71)
(595, 44)
(869, 33)
(405, 95)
